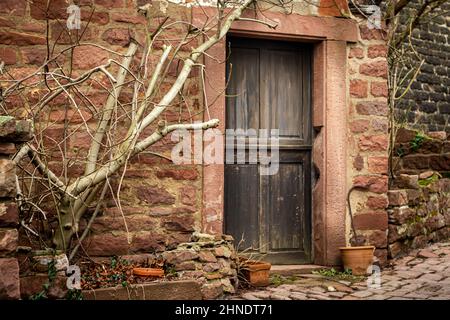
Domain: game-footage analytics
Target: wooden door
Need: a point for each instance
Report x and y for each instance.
(269, 85)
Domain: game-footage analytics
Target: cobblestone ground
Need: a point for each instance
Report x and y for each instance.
(423, 274)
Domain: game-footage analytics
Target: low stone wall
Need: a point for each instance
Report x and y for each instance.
(210, 260)
(416, 152)
(419, 204)
(11, 132)
(419, 211)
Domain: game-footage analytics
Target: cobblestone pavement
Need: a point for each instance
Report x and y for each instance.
(423, 274)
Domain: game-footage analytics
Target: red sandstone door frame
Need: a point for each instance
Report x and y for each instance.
(329, 104)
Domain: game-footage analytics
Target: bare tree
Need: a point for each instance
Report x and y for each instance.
(118, 130)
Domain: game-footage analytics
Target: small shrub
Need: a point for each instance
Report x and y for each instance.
(417, 141)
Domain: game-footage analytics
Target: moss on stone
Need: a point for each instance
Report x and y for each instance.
(428, 181)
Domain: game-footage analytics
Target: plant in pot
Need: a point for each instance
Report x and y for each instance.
(358, 257)
(252, 271)
(255, 273)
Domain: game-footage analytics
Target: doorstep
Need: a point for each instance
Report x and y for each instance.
(294, 269)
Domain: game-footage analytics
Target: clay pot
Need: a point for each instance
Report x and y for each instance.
(256, 272)
(358, 259)
(148, 272)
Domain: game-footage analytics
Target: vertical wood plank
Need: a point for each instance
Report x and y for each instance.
(282, 96)
(241, 205)
(286, 207)
(243, 89)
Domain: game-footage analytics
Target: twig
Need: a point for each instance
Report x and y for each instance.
(22, 223)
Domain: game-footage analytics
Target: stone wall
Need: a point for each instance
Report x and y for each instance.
(368, 137)
(210, 260)
(419, 195)
(415, 152)
(11, 132)
(419, 212)
(427, 105)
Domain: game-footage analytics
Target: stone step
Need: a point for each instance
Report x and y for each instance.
(294, 269)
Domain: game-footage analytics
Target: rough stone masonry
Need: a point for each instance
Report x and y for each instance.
(11, 131)
(427, 105)
(419, 194)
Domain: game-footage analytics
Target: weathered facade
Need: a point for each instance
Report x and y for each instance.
(163, 204)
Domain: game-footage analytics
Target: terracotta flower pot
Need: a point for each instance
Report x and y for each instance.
(148, 272)
(256, 272)
(358, 259)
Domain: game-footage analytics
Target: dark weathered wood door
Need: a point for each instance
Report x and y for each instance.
(269, 87)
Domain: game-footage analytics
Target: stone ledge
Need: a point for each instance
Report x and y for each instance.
(173, 290)
(292, 270)
(301, 26)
